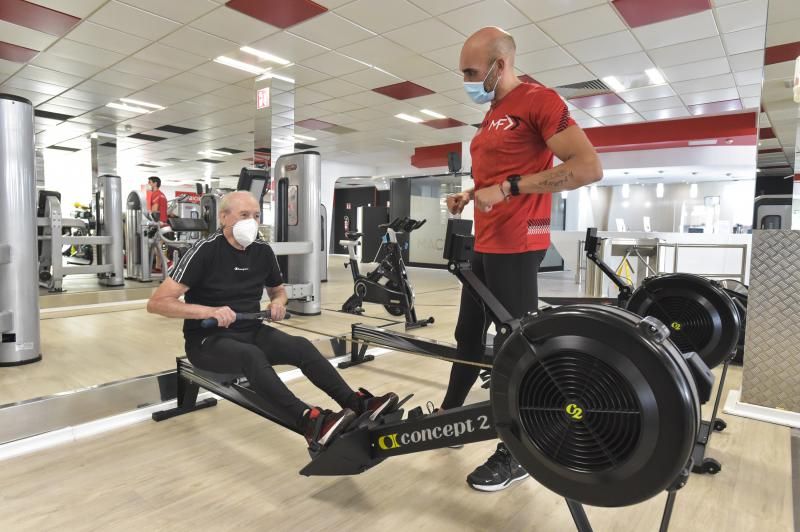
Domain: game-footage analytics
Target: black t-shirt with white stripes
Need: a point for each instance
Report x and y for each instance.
(219, 275)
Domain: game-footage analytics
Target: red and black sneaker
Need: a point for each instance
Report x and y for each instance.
(322, 426)
(379, 406)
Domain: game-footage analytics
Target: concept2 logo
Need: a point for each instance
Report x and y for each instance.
(574, 411)
(450, 430)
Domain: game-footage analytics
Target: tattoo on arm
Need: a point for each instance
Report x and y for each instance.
(555, 181)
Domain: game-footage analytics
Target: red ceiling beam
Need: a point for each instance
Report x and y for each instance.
(739, 128)
(36, 17)
(781, 52)
(433, 156)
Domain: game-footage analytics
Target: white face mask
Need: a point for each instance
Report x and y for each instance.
(245, 231)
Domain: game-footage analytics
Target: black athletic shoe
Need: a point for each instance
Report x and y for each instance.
(432, 411)
(322, 426)
(499, 472)
(385, 404)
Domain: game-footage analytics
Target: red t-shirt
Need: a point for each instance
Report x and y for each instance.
(160, 200)
(512, 140)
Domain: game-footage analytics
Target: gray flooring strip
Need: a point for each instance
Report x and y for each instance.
(796, 477)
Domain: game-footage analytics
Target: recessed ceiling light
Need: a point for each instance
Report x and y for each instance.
(434, 114)
(728, 141)
(241, 65)
(143, 104)
(614, 83)
(129, 108)
(396, 140)
(655, 76)
(409, 118)
(304, 137)
(704, 142)
(266, 56)
(268, 75)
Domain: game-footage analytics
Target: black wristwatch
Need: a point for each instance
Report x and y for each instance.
(513, 180)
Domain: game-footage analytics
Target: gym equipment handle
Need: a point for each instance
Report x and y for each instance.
(210, 323)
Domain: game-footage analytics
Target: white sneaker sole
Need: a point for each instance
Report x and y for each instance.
(324, 440)
(498, 487)
(379, 411)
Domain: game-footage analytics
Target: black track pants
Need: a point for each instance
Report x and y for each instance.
(254, 353)
(511, 278)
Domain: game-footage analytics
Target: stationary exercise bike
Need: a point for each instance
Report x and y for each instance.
(388, 284)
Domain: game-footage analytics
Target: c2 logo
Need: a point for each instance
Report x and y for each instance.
(676, 326)
(389, 441)
(574, 411)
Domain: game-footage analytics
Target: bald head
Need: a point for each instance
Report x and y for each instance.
(486, 46)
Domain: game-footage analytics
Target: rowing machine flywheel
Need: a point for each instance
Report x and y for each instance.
(700, 315)
(596, 404)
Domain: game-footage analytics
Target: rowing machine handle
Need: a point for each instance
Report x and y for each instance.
(210, 323)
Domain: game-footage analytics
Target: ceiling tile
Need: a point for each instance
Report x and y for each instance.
(749, 91)
(683, 29)
(414, 66)
(76, 51)
(723, 81)
(332, 4)
(473, 17)
(178, 11)
(751, 103)
(661, 103)
(584, 24)
(747, 61)
(55, 62)
(530, 38)
(107, 38)
(596, 100)
(717, 95)
(335, 87)
(76, 8)
(437, 7)
(445, 81)
(301, 75)
(376, 51)
(748, 77)
(610, 45)
(334, 64)
(370, 78)
(190, 81)
(427, 35)
(234, 26)
(331, 30)
(106, 89)
(382, 16)
(647, 93)
(610, 110)
(219, 72)
(537, 10)
(88, 97)
(199, 42)
(369, 98)
(290, 47)
(589, 123)
(784, 10)
(699, 69)
(742, 15)
(782, 33)
(138, 67)
(34, 86)
(48, 76)
(547, 59)
(677, 54)
(744, 41)
(447, 57)
(663, 114)
(133, 20)
(73, 104)
(635, 63)
(25, 37)
(238, 94)
(715, 107)
(617, 120)
(338, 106)
(563, 76)
(169, 56)
(7, 67)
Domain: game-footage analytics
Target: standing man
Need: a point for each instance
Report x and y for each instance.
(512, 167)
(158, 209)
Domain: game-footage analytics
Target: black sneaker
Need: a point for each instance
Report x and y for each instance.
(432, 411)
(385, 404)
(499, 472)
(322, 426)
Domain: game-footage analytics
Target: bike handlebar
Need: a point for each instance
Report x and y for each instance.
(210, 323)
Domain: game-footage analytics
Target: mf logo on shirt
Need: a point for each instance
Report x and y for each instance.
(508, 122)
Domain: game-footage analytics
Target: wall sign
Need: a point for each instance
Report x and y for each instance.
(262, 98)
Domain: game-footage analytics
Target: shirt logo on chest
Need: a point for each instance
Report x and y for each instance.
(237, 269)
(507, 123)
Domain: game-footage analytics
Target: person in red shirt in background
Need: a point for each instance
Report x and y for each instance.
(158, 208)
(512, 167)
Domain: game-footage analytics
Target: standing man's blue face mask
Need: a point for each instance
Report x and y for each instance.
(476, 90)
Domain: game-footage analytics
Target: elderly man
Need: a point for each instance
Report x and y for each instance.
(512, 167)
(226, 273)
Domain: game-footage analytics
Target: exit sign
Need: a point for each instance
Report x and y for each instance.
(262, 98)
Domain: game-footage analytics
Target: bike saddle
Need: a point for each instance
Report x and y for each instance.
(351, 235)
(411, 225)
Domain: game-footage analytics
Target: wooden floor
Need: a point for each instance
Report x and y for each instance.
(224, 468)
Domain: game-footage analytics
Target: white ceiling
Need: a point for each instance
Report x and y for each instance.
(162, 51)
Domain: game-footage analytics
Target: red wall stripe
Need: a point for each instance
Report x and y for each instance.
(781, 53)
(432, 156)
(36, 17)
(17, 54)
